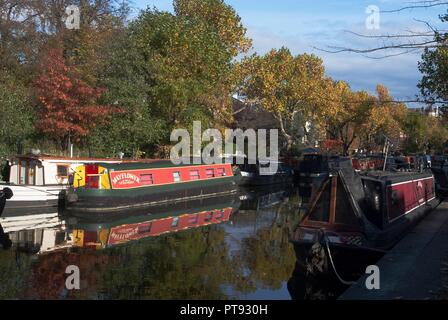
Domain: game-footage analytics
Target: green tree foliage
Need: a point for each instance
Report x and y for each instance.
(434, 68)
(424, 133)
(167, 70)
(181, 60)
(136, 128)
(14, 274)
(17, 115)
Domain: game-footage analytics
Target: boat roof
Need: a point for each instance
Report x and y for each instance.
(396, 177)
(52, 158)
(148, 164)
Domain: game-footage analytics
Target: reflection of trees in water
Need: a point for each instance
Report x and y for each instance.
(14, 271)
(268, 255)
(47, 274)
(193, 265)
(303, 286)
(197, 264)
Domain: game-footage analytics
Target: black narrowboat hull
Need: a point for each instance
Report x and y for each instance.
(441, 177)
(349, 261)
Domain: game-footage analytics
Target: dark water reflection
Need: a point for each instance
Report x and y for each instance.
(227, 248)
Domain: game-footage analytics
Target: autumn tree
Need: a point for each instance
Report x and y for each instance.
(19, 37)
(67, 106)
(226, 23)
(90, 47)
(290, 87)
(221, 17)
(347, 114)
(385, 118)
(185, 61)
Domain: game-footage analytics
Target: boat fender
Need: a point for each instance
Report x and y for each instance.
(316, 261)
(71, 198)
(7, 192)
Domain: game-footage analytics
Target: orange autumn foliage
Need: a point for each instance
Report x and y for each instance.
(67, 104)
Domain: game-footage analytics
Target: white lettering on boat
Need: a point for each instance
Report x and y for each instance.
(125, 178)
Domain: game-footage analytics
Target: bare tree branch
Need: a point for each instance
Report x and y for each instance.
(418, 5)
(412, 40)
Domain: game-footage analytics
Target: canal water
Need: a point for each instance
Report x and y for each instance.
(234, 247)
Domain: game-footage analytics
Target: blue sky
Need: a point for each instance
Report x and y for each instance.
(304, 25)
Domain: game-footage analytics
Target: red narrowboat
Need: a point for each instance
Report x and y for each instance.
(353, 214)
(106, 187)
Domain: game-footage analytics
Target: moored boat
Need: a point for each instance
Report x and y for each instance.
(439, 168)
(315, 167)
(357, 215)
(106, 187)
(37, 182)
(257, 173)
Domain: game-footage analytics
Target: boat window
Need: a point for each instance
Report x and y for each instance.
(59, 238)
(32, 174)
(146, 179)
(373, 201)
(344, 210)
(219, 214)
(22, 174)
(92, 181)
(210, 173)
(321, 211)
(175, 222)
(62, 170)
(144, 228)
(193, 219)
(221, 172)
(194, 175)
(176, 176)
(208, 217)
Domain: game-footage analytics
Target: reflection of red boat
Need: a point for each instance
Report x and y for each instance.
(353, 213)
(100, 233)
(157, 227)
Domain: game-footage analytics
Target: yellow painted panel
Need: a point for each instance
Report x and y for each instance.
(79, 177)
(78, 238)
(104, 236)
(105, 184)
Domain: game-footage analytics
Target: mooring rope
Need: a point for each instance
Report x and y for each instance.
(327, 246)
(31, 188)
